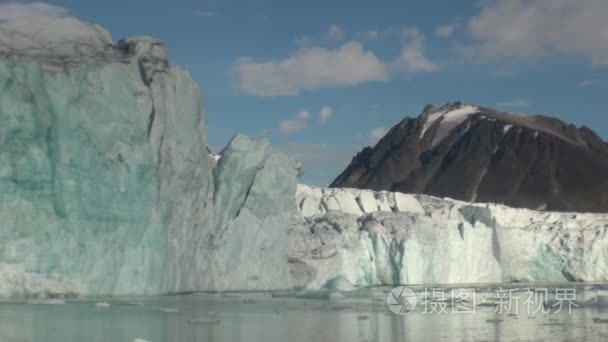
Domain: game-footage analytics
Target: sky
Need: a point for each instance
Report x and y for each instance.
(323, 79)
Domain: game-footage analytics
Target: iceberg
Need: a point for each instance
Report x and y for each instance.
(385, 238)
(106, 183)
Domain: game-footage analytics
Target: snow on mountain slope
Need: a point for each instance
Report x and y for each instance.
(476, 153)
(385, 238)
(450, 118)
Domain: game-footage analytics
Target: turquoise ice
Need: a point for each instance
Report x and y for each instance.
(106, 183)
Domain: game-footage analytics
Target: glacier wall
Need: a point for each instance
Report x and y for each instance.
(106, 184)
(107, 188)
(385, 238)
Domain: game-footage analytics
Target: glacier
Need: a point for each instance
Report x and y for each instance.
(107, 187)
(385, 238)
(106, 183)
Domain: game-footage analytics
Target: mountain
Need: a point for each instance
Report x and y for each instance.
(479, 154)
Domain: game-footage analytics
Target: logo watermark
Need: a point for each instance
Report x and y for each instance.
(402, 300)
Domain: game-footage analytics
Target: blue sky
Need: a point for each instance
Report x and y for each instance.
(321, 80)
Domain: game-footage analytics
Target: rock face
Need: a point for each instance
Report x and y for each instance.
(106, 183)
(478, 154)
(385, 238)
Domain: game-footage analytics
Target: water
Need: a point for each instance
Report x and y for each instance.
(313, 316)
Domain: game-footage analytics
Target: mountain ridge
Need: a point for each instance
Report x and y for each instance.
(475, 153)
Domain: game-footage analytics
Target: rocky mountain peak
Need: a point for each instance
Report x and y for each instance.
(479, 154)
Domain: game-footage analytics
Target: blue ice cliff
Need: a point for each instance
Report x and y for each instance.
(106, 184)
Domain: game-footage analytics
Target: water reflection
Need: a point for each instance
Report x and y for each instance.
(266, 317)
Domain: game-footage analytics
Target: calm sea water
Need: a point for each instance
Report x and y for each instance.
(476, 313)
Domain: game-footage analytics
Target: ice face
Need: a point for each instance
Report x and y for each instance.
(107, 188)
(384, 238)
(57, 41)
(106, 185)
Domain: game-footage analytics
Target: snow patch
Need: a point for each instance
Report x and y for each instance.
(450, 119)
(476, 189)
(215, 156)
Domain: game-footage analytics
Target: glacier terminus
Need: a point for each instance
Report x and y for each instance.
(384, 238)
(106, 184)
(107, 188)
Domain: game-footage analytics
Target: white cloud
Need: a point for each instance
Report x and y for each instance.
(300, 121)
(303, 41)
(14, 10)
(205, 13)
(445, 31)
(599, 61)
(372, 35)
(513, 103)
(412, 57)
(296, 124)
(530, 29)
(589, 83)
(310, 68)
(376, 134)
(387, 33)
(335, 32)
(325, 114)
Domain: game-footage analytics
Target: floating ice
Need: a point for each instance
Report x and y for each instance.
(339, 283)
